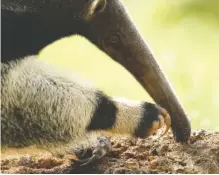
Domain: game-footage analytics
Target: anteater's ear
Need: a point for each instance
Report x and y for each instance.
(94, 8)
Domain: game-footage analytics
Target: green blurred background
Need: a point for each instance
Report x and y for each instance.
(184, 36)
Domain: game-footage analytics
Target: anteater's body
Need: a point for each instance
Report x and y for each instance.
(41, 106)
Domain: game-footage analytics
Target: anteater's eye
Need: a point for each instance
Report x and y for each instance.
(114, 39)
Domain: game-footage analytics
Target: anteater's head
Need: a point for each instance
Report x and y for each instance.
(107, 24)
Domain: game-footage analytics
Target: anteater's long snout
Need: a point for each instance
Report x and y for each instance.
(113, 31)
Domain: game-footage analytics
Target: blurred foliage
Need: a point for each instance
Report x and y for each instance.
(175, 11)
(184, 36)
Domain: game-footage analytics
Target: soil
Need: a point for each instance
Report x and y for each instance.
(129, 155)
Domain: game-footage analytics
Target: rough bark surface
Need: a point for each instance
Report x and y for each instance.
(151, 155)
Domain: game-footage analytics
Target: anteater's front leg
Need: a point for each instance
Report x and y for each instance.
(139, 119)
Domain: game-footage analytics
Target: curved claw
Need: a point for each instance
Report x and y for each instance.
(98, 153)
(103, 146)
(87, 161)
(167, 120)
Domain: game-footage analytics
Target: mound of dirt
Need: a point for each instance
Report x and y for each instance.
(151, 155)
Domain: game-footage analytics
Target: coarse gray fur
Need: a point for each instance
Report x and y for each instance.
(45, 107)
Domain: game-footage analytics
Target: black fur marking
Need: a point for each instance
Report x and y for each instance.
(149, 114)
(104, 116)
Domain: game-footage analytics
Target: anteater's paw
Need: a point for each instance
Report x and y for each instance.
(100, 149)
(163, 119)
(154, 117)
